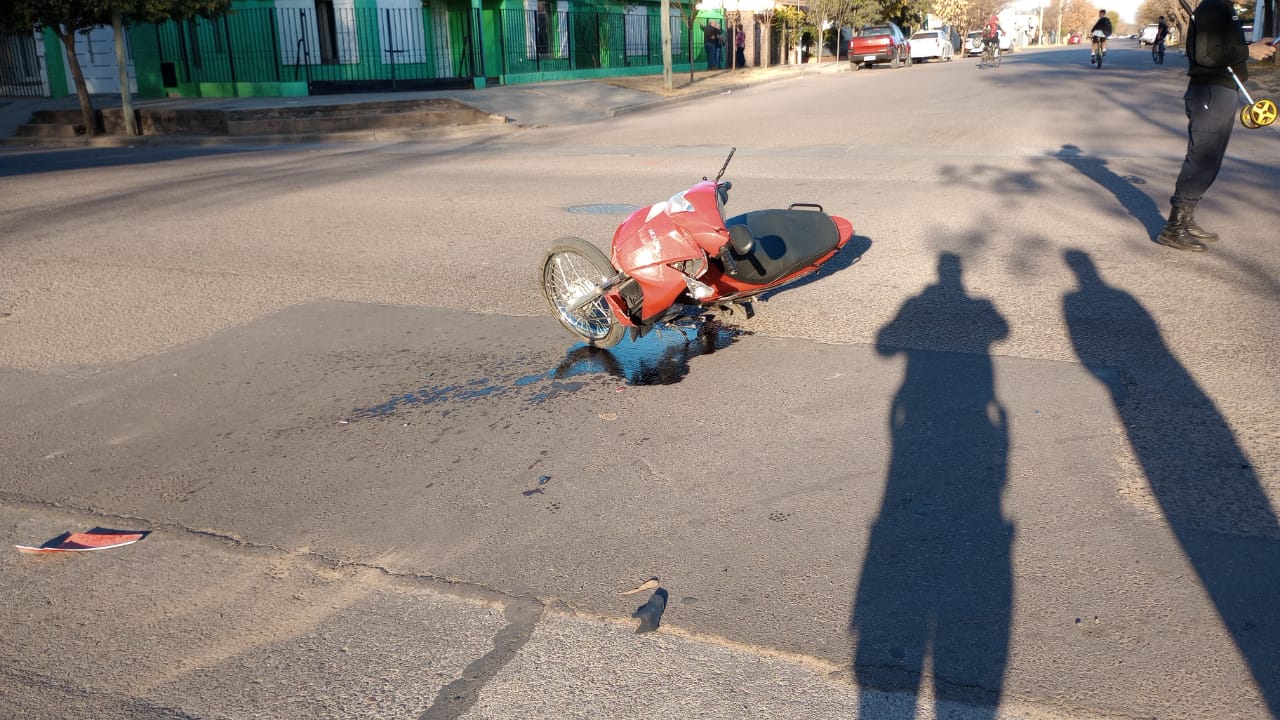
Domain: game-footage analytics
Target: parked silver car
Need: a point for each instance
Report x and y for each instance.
(931, 44)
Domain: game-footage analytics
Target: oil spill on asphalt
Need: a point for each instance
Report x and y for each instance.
(422, 397)
(660, 358)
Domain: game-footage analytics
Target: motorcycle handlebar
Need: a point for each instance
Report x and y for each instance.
(723, 167)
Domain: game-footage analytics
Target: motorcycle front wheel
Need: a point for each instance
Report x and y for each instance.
(572, 270)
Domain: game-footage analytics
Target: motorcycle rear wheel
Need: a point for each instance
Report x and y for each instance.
(573, 268)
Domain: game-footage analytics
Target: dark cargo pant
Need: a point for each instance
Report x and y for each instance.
(1211, 113)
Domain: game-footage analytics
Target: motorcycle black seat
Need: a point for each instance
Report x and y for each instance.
(783, 241)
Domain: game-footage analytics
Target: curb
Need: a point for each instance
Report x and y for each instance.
(498, 124)
(700, 94)
(127, 141)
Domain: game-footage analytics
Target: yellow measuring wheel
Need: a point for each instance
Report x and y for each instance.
(1259, 114)
(1256, 114)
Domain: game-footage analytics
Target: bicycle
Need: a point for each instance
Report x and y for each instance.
(1098, 49)
(1157, 52)
(990, 55)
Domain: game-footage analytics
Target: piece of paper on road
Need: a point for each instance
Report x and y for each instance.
(96, 539)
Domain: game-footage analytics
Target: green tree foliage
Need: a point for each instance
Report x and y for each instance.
(908, 14)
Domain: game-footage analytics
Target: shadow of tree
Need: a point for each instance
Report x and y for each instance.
(937, 580)
(1204, 483)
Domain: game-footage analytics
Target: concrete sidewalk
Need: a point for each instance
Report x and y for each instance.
(506, 107)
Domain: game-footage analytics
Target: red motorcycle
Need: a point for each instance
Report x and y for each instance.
(681, 256)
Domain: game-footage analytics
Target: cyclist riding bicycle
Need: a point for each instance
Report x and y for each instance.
(1100, 31)
(991, 35)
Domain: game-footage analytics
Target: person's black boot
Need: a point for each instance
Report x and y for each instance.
(1175, 234)
(1195, 230)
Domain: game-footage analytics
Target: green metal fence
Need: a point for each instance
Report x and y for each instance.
(20, 73)
(332, 49)
(351, 49)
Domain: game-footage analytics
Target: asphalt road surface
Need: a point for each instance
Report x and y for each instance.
(1004, 457)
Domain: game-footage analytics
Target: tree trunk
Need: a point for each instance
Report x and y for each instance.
(68, 38)
(821, 39)
(126, 98)
(665, 15)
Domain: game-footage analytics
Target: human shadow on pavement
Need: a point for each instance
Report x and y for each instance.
(1204, 483)
(1141, 207)
(937, 580)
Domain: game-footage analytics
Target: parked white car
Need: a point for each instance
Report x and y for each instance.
(973, 43)
(935, 44)
(1148, 35)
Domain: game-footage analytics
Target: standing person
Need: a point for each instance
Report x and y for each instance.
(1215, 47)
(740, 42)
(1162, 35)
(711, 43)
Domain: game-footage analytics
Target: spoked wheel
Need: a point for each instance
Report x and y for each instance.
(575, 269)
(1259, 114)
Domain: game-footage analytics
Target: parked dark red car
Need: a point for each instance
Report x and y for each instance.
(880, 43)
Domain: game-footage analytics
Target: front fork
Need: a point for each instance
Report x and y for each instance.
(617, 304)
(601, 290)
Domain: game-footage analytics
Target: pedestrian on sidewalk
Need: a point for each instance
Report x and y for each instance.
(713, 43)
(740, 42)
(1215, 47)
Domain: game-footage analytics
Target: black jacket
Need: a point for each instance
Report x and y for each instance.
(1103, 24)
(1215, 41)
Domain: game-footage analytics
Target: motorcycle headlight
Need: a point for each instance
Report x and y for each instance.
(678, 203)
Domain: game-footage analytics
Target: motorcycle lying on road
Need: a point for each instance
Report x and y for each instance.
(682, 256)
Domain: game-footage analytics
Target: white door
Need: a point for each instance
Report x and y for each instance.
(97, 53)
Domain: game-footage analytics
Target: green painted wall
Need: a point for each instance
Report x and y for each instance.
(55, 59)
(146, 60)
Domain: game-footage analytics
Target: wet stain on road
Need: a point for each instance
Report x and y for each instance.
(660, 358)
